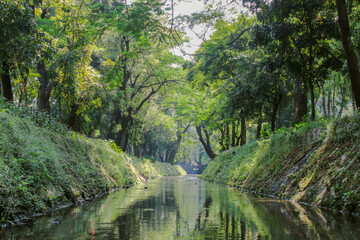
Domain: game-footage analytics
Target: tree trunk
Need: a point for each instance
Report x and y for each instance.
(160, 157)
(176, 147)
(276, 104)
(137, 151)
(312, 100)
(46, 86)
(24, 85)
(340, 111)
(151, 150)
(233, 134)
(222, 139)
(352, 61)
(73, 116)
(167, 155)
(125, 143)
(6, 82)
(329, 104)
(258, 128)
(173, 151)
(172, 154)
(200, 157)
(206, 144)
(227, 139)
(60, 110)
(243, 233)
(238, 141)
(115, 120)
(25, 89)
(300, 101)
(353, 102)
(243, 131)
(122, 138)
(43, 100)
(323, 100)
(333, 103)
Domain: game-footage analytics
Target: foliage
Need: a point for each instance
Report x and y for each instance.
(107, 69)
(40, 119)
(298, 163)
(99, 66)
(42, 169)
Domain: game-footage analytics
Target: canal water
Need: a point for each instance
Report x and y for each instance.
(187, 208)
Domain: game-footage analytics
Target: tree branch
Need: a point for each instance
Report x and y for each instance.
(239, 35)
(146, 99)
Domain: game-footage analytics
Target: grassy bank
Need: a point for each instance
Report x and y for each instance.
(316, 162)
(43, 166)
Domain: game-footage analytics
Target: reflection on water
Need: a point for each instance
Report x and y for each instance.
(187, 208)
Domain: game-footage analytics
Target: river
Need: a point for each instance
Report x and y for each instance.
(187, 208)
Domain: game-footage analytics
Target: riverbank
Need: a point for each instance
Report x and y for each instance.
(44, 166)
(316, 163)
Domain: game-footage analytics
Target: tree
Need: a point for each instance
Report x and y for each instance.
(65, 32)
(218, 62)
(16, 39)
(300, 30)
(205, 141)
(351, 58)
(141, 64)
(193, 108)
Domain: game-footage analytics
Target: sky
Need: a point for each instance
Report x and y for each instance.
(187, 7)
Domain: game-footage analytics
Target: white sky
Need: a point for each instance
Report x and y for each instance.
(187, 7)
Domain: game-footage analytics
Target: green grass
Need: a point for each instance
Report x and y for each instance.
(316, 162)
(42, 167)
(259, 159)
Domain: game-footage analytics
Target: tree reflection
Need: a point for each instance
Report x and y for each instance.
(188, 208)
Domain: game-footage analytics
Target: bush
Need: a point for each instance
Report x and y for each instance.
(41, 119)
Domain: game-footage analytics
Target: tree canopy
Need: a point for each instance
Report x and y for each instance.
(108, 69)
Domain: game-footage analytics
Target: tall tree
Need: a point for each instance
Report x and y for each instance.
(16, 39)
(205, 141)
(65, 35)
(351, 58)
(142, 63)
(300, 29)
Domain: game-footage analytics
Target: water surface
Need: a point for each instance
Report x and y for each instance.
(187, 208)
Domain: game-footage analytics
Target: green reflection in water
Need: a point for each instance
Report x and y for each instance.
(187, 208)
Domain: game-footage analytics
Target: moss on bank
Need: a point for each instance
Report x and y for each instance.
(316, 162)
(41, 168)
